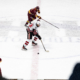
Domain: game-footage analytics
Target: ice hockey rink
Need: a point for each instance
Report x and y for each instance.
(63, 43)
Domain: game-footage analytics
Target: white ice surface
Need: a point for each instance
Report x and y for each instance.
(63, 43)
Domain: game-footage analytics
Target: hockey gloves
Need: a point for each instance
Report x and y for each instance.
(39, 17)
(38, 36)
(34, 32)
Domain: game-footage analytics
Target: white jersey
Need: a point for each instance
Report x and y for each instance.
(32, 26)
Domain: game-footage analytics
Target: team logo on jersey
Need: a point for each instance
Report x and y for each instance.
(30, 25)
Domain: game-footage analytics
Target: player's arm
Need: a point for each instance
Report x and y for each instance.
(30, 28)
(35, 30)
(31, 11)
(37, 16)
(39, 11)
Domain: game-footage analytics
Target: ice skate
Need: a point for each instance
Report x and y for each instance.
(33, 43)
(24, 48)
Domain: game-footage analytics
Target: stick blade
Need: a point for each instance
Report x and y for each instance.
(47, 51)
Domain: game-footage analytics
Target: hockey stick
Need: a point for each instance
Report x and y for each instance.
(44, 47)
(50, 23)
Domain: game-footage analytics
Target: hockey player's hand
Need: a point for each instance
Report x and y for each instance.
(34, 32)
(39, 12)
(39, 17)
(39, 37)
(26, 24)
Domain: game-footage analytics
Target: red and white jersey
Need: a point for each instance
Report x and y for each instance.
(32, 26)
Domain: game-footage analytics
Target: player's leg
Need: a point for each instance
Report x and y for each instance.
(25, 44)
(39, 37)
(29, 39)
(34, 40)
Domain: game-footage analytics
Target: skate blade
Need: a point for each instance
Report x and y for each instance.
(34, 45)
(23, 49)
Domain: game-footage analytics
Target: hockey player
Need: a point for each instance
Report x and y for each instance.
(32, 14)
(0, 68)
(32, 31)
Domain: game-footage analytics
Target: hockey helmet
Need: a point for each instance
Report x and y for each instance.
(0, 60)
(37, 7)
(38, 23)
